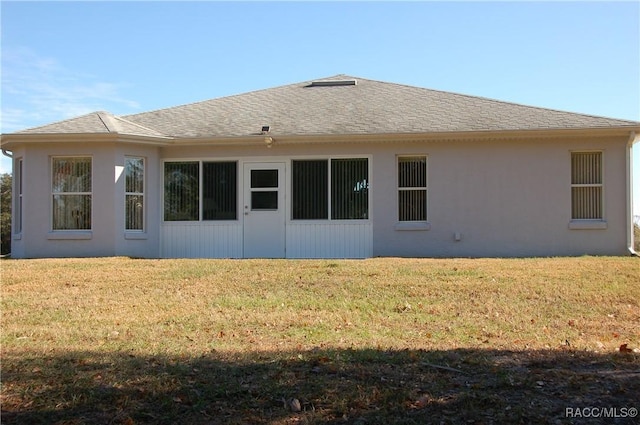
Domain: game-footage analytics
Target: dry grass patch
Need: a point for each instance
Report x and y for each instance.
(377, 341)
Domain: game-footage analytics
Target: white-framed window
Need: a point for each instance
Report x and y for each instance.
(134, 205)
(183, 181)
(412, 188)
(336, 188)
(17, 216)
(71, 190)
(310, 189)
(586, 186)
(219, 190)
(181, 191)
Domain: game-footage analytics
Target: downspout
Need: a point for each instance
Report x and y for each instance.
(630, 238)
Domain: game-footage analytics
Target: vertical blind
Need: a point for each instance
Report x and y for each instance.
(315, 183)
(310, 189)
(18, 214)
(219, 191)
(349, 189)
(412, 188)
(586, 186)
(134, 194)
(181, 191)
(71, 190)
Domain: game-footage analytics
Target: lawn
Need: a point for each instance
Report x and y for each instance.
(412, 341)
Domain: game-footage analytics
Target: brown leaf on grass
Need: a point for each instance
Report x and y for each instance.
(421, 402)
(624, 349)
(183, 399)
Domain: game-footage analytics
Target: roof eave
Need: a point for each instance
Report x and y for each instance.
(12, 139)
(416, 137)
(7, 141)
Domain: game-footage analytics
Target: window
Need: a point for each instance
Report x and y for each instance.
(586, 186)
(219, 191)
(263, 197)
(181, 191)
(17, 226)
(182, 183)
(349, 189)
(134, 193)
(412, 188)
(341, 183)
(310, 187)
(71, 193)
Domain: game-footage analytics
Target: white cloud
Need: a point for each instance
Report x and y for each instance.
(37, 90)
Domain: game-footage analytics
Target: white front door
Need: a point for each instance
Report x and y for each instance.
(263, 209)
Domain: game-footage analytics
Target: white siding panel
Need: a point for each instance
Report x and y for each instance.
(329, 240)
(201, 240)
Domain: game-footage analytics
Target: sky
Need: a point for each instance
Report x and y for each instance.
(64, 59)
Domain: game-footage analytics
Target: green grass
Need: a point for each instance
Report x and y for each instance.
(118, 340)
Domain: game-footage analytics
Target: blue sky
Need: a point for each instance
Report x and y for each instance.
(63, 59)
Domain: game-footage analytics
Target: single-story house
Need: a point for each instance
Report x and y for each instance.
(339, 167)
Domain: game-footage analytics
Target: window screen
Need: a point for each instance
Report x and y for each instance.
(181, 191)
(71, 190)
(586, 186)
(349, 189)
(310, 190)
(134, 193)
(412, 188)
(219, 191)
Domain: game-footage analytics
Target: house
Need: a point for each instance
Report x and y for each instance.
(339, 167)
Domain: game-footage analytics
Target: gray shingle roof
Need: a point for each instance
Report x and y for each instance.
(364, 108)
(95, 123)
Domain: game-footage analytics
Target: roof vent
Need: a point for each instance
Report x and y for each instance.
(330, 83)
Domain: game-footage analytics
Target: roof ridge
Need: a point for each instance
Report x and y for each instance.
(237, 95)
(503, 102)
(209, 100)
(153, 130)
(108, 119)
(524, 105)
(64, 120)
(375, 106)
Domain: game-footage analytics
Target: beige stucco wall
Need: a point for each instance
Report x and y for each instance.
(107, 237)
(502, 198)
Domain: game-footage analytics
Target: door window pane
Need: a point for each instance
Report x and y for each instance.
(264, 178)
(264, 200)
